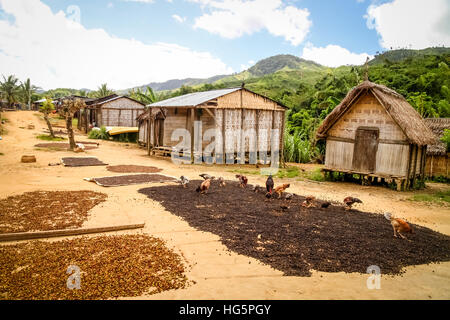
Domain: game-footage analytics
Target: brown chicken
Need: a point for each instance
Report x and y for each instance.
(203, 188)
(242, 180)
(279, 190)
(349, 201)
(221, 182)
(398, 225)
(309, 202)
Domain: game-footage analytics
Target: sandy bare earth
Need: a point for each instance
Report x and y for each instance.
(217, 273)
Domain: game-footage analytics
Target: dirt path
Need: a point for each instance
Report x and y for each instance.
(218, 273)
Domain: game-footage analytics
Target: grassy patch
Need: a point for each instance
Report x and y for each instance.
(289, 172)
(246, 171)
(316, 175)
(436, 197)
(49, 138)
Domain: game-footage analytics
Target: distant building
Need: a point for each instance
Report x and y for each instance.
(438, 159)
(376, 133)
(223, 113)
(112, 111)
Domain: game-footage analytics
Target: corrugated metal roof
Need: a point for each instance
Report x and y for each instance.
(193, 99)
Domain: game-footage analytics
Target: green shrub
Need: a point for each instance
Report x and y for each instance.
(99, 134)
(316, 175)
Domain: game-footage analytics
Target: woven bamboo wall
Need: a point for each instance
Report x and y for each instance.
(120, 112)
(367, 111)
(249, 101)
(174, 120)
(438, 165)
(393, 147)
(143, 132)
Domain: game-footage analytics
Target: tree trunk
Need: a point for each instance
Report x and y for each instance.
(70, 132)
(52, 134)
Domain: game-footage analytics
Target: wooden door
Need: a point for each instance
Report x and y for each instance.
(365, 149)
(158, 133)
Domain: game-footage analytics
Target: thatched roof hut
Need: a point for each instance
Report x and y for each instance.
(406, 117)
(375, 132)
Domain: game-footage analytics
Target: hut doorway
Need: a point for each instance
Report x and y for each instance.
(159, 132)
(365, 150)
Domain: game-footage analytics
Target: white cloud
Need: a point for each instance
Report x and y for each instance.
(178, 18)
(55, 51)
(235, 18)
(416, 24)
(333, 55)
(110, 5)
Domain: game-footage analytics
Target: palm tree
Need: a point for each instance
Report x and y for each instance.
(27, 90)
(10, 90)
(146, 97)
(103, 91)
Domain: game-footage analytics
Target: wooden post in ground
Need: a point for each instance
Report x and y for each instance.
(416, 151)
(191, 127)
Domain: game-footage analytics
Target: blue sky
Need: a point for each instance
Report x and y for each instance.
(133, 42)
(339, 22)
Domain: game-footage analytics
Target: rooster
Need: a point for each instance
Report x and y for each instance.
(398, 225)
(279, 190)
(221, 182)
(349, 201)
(269, 186)
(242, 180)
(204, 186)
(308, 203)
(184, 181)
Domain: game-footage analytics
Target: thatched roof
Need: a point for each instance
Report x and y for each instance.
(437, 125)
(406, 117)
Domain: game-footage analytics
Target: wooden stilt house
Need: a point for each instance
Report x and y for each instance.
(226, 117)
(375, 133)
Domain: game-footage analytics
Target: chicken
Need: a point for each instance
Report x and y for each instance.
(309, 202)
(206, 176)
(325, 204)
(279, 190)
(269, 186)
(242, 180)
(349, 201)
(398, 225)
(221, 182)
(204, 186)
(184, 181)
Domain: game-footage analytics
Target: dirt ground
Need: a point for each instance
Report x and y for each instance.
(218, 273)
